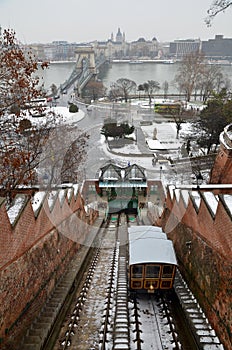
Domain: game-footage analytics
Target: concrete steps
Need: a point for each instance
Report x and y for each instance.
(206, 336)
(121, 323)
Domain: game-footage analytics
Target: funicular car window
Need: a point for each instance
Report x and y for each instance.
(167, 271)
(137, 271)
(152, 271)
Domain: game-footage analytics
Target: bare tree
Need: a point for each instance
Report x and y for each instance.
(165, 88)
(61, 156)
(24, 143)
(122, 88)
(18, 83)
(20, 152)
(212, 79)
(140, 88)
(178, 117)
(195, 76)
(189, 72)
(216, 7)
(150, 87)
(54, 90)
(94, 89)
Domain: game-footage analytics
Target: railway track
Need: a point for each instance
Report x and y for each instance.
(92, 326)
(100, 316)
(153, 324)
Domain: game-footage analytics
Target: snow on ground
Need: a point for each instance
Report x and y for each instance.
(123, 160)
(68, 118)
(162, 168)
(143, 103)
(129, 149)
(164, 131)
(153, 171)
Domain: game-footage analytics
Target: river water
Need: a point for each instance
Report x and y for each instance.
(57, 73)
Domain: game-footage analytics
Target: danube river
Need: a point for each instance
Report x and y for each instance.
(57, 73)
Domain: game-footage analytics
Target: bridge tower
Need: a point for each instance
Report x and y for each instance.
(85, 58)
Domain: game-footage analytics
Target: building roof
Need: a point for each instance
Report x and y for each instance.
(135, 172)
(130, 176)
(141, 40)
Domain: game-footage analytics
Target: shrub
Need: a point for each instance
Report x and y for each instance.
(73, 108)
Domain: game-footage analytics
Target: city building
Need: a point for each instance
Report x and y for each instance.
(180, 48)
(116, 47)
(218, 48)
(55, 51)
(144, 48)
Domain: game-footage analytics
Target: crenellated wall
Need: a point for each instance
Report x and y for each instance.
(39, 235)
(200, 225)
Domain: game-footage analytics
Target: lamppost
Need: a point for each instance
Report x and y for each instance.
(199, 179)
(160, 172)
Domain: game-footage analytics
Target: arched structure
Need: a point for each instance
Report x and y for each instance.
(85, 57)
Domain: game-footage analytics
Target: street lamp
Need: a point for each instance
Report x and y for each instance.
(199, 179)
(160, 172)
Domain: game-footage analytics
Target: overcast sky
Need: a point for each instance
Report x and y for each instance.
(87, 20)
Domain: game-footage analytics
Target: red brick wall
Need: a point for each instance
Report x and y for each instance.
(28, 229)
(216, 231)
(27, 282)
(207, 264)
(5, 236)
(34, 254)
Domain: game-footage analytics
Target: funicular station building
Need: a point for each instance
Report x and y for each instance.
(123, 189)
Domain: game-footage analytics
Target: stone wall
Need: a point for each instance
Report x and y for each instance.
(38, 240)
(27, 282)
(202, 236)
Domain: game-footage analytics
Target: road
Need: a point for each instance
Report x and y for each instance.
(98, 152)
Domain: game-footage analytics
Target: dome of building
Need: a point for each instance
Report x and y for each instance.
(140, 40)
(119, 36)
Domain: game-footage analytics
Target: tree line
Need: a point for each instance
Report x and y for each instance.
(194, 78)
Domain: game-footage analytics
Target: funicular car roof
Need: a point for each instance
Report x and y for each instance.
(136, 232)
(147, 248)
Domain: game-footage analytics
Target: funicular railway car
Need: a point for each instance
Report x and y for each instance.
(152, 259)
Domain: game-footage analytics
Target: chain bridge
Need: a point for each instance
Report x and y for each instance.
(86, 67)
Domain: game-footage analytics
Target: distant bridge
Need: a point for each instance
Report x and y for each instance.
(86, 67)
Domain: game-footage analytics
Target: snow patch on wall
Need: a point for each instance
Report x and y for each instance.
(16, 208)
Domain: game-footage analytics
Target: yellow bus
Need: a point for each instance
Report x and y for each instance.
(168, 108)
